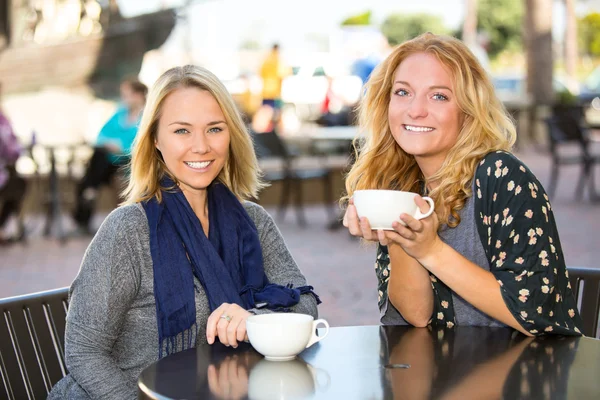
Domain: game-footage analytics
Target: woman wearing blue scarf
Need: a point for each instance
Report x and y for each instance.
(186, 260)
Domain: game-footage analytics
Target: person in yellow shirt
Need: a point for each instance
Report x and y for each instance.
(272, 73)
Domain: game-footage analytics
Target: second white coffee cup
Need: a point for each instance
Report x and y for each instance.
(383, 207)
(282, 336)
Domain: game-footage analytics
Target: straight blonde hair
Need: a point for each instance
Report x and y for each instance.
(240, 174)
(380, 161)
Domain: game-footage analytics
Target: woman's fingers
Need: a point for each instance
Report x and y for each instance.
(232, 330)
(351, 220)
(241, 331)
(423, 205)
(412, 223)
(222, 331)
(366, 231)
(213, 320)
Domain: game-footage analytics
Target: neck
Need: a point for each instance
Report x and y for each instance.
(429, 167)
(198, 202)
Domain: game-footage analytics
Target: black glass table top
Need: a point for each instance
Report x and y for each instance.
(391, 362)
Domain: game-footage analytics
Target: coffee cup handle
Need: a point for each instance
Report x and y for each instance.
(314, 338)
(419, 215)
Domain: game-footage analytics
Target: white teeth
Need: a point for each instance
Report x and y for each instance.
(417, 128)
(198, 165)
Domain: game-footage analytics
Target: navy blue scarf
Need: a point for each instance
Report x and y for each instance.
(228, 264)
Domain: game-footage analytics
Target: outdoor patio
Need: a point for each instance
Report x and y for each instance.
(338, 266)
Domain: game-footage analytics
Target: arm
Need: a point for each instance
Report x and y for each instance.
(280, 268)
(474, 284)
(409, 287)
(527, 287)
(107, 138)
(279, 264)
(517, 229)
(402, 280)
(100, 297)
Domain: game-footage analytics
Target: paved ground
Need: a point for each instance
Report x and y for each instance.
(340, 268)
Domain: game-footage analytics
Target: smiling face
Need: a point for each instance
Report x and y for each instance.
(193, 138)
(423, 114)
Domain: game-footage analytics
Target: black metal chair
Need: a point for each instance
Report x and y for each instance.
(567, 128)
(587, 297)
(32, 333)
(270, 145)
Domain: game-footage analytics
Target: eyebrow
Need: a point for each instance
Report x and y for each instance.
(188, 124)
(430, 87)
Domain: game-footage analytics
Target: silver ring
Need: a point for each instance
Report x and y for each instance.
(226, 317)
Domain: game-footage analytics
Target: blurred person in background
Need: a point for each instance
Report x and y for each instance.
(12, 186)
(112, 149)
(272, 73)
(490, 254)
(186, 260)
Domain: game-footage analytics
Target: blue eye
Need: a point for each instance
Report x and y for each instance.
(181, 131)
(439, 96)
(216, 129)
(401, 92)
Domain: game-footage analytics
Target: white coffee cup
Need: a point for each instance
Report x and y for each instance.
(383, 207)
(282, 336)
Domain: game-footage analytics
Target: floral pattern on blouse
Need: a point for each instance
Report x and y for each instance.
(519, 235)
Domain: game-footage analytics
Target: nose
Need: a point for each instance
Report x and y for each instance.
(200, 144)
(418, 107)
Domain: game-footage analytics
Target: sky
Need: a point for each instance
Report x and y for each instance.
(287, 21)
(213, 30)
(227, 23)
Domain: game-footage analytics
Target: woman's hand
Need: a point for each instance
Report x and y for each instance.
(228, 322)
(358, 226)
(419, 238)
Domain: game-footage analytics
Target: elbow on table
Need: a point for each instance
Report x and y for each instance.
(418, 322)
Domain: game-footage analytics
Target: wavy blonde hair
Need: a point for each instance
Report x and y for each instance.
(380, 161)
(240, 174)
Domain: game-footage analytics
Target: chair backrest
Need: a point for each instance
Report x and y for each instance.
(564, 128)
(32, 332)
(587, 297)
(269, 144)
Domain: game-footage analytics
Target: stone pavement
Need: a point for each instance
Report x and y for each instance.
(338, 266)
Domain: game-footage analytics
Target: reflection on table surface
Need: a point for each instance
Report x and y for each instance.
(371, 362)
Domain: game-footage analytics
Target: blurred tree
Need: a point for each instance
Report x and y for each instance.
(502, 20)
(360, 19)
(250, 44)
(589, 34)
(398, 28)
(469, 28)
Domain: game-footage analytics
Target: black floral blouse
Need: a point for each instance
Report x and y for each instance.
(518, 232)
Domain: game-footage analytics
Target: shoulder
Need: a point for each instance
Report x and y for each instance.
(502, 160)
(502, 167)
(258, 214)
(126, 219)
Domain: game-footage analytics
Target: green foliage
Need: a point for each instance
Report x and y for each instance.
(565, 97)
(589, 34)
(398, 28)
(360, 19)
(502, 20)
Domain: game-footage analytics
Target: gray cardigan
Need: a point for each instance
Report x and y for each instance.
(111, 333)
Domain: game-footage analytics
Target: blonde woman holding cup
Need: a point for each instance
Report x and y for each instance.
(490, 254)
